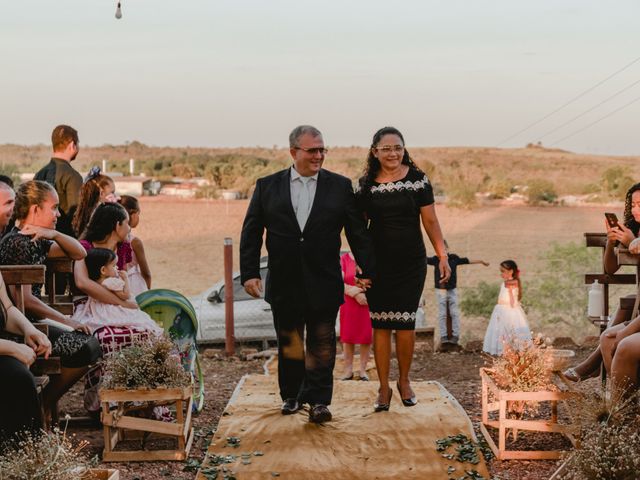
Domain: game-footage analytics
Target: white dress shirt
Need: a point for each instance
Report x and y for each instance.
(302, 201)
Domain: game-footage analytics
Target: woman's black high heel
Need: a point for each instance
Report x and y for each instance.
(383, 407)
(407, 402)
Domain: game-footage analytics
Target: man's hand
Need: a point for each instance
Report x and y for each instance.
(363, 283)
(38, 342)
(24, 354)
(253, 287)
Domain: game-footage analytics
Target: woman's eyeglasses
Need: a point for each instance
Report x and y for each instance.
(391, 148)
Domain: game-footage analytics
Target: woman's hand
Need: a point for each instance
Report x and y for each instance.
(361, 298)
(24, 354)
(445, 270)
(620, 233)
(38, 342)
(38, 233)
(80, 327)
(634, 246)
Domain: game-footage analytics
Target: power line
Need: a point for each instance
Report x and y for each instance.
(568, 103)
(597, 121)
(589, 110)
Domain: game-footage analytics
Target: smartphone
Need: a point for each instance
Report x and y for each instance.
(612, 220)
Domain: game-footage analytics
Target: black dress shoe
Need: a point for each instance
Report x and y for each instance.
(412, 401)
(319, 414)
(383, 406)
(290, 406)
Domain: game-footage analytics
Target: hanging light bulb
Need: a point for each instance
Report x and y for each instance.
(118, 12)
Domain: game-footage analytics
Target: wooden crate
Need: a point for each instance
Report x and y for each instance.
(500, 401)
(118, 425)
(102, 474)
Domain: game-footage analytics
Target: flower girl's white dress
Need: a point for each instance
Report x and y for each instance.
(508, 324)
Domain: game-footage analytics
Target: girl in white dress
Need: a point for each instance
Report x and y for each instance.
(138, 269)
(102, 268)
(508, 324)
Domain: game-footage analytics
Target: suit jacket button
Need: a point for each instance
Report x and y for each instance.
(302, 239)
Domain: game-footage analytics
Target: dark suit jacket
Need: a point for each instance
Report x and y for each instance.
(304, 266)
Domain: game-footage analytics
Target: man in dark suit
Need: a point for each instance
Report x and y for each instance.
(304, 209)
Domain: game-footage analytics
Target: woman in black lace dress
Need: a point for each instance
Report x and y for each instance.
(396, 197)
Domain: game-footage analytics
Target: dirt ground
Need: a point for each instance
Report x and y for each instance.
(457, 372)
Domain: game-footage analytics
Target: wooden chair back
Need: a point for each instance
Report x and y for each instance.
(56, 275)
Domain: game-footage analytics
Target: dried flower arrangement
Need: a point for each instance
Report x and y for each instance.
(46, 456)
(151, 363)
(610, 439)
(523, 367)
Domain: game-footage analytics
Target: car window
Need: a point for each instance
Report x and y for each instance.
(239, 294)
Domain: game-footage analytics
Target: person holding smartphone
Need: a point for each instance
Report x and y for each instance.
(617, 233)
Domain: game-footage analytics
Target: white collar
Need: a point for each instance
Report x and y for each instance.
(295, 175)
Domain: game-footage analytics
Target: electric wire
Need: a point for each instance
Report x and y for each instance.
(553, 130)
(597, 121)
(568, 103)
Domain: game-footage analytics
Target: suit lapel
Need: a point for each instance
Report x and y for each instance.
(321, 191)
(285, 194)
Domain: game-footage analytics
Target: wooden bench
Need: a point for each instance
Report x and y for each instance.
(58, 268)
(599, 240)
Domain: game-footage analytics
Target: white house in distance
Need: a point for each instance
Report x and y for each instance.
(136, 185)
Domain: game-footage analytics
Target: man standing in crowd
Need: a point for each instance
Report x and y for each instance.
(303, 210)
(64, 178)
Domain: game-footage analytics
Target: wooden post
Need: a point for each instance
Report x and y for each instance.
(502, 430)
(229, 339)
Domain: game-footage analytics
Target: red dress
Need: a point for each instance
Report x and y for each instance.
(355, 322)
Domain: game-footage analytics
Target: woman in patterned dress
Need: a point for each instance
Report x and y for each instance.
(396, 197)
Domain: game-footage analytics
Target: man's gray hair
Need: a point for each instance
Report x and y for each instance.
(301, 130)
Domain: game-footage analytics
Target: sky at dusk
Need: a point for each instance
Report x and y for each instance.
(244, 72)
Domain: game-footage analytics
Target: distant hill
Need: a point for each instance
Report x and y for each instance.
(454, 170)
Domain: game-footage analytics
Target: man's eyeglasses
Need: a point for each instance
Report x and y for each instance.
(391, 148)
(313, 151)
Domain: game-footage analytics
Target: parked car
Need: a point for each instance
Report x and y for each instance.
(252, 316)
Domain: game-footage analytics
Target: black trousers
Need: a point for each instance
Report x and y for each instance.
(306, 373)
(19, 409)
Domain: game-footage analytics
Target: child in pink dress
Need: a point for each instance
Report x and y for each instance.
(355, 321)
(102, 268)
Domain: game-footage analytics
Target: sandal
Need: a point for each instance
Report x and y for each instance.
(573, 376)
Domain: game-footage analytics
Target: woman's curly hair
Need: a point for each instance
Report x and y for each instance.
(629, 221)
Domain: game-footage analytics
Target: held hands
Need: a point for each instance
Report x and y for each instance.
(38, 342)
(38, 233)
(361, 298)
(363, 283)
(253, 287)
(619, 233)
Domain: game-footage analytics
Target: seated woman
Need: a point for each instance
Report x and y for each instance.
(624, 234)
(19, 402)
(31, 243)
(109, 226)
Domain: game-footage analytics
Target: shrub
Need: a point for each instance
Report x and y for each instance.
(480, 300)
(499, 188)
(616, 181)
(541, 191)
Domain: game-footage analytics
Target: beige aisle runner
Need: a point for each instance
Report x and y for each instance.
(357, 444)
